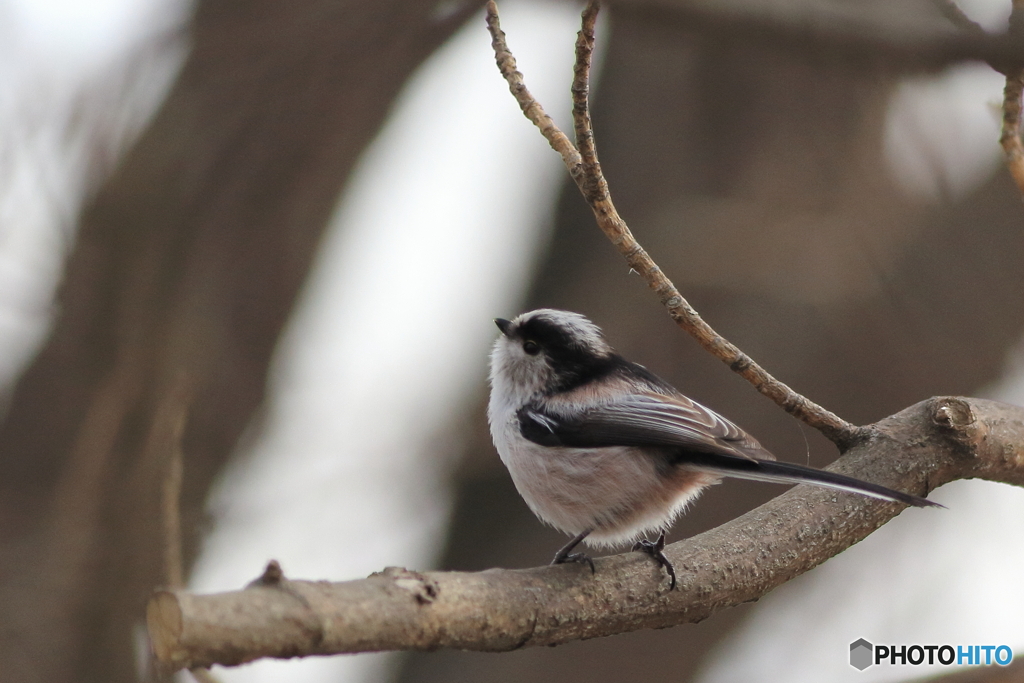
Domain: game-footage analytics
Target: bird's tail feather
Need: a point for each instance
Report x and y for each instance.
(788, 473)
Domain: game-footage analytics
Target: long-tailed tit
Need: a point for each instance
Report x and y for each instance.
(603, 449)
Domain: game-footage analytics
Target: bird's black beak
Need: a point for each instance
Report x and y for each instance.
(503, 325)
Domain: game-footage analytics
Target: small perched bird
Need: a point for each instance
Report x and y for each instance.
(603, 449)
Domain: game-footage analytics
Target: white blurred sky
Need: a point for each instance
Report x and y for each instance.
(392, 331)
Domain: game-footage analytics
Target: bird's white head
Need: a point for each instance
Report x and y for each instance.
(541, 351)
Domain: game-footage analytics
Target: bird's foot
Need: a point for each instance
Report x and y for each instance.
(566, 554)
(580, 558)
(654, 549)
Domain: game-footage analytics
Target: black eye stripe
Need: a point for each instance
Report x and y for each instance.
(547, 334)
(570, 353)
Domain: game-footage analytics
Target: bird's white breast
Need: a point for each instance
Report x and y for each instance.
(618, 492)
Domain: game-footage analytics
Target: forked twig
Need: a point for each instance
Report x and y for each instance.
(585, 169)
(530, 106)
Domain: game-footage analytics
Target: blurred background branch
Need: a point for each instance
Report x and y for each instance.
(187, 261)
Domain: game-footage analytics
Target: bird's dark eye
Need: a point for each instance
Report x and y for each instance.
(531, 347)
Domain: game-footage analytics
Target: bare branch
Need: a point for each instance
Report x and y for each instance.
(582, 125)
(1010, 136)
(922, 447)
(530, 106)
(585, 169)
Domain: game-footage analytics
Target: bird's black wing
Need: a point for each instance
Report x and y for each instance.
(693, 436)
(643, 420)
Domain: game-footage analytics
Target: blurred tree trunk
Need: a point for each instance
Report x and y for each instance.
(750, 164)
(187, 263)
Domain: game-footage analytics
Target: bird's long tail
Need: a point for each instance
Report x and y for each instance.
(788, 473)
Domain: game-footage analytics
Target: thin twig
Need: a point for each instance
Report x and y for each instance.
(530, 106)
(924, 446)
(581, 103)
(585, 169)
(1010, 135)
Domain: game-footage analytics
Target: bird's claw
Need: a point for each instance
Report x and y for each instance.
(580, 558)
(654, 549)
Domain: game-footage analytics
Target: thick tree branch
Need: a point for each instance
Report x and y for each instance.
(585, 169)
(923, 447)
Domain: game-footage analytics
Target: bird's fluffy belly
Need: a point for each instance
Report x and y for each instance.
(617, 492)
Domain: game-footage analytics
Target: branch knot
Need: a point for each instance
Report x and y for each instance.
(956, 421)
(422, 588)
